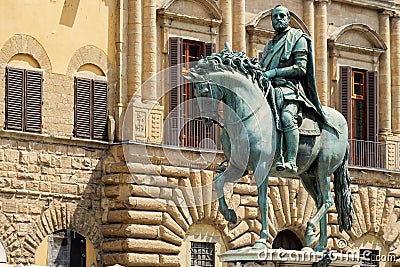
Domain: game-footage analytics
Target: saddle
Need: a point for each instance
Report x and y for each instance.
(308, 124)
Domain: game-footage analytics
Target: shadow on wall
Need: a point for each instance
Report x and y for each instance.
(68, 14)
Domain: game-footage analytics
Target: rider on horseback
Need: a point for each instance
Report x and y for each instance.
(288, 63)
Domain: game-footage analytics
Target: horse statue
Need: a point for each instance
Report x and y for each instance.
(249, 138)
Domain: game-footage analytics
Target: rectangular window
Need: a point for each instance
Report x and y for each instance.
(358, 100)
(185, 128)
(24, 100)
(90, 109)
(202, 254)
(359, 105)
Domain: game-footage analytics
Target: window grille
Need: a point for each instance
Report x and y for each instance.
(202, 254)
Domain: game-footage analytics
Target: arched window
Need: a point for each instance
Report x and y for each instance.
(286, 239)
(91, 91)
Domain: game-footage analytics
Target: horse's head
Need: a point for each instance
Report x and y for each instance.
(208, 95)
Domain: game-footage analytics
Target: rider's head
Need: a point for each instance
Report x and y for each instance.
(280, 18)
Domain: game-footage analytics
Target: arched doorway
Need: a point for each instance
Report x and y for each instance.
(286, 239)
(65, 248)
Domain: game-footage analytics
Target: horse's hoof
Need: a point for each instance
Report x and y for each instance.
(307, 249)
(260, 244)
(232, 218)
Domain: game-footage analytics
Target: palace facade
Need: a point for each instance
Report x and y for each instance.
(103, 162)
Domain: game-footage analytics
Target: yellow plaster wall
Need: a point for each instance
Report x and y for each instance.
(61, 26)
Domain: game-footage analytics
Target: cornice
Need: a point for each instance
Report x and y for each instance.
(188, 19)
(389, 5)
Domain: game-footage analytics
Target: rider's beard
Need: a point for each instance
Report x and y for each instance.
(280, 26)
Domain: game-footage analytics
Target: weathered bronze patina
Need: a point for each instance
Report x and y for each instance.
(254, 95)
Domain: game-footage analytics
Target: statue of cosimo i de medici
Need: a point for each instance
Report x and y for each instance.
(288, 62)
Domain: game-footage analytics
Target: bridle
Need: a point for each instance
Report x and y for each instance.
(210, 89)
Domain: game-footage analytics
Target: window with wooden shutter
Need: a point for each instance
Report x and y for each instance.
(175, 85)
(24, 100)
(90, 109)
(183, 130)
(359, 105)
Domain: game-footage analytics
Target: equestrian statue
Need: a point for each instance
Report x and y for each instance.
(275, 125)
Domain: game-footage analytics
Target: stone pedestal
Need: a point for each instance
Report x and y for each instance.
(286, 258)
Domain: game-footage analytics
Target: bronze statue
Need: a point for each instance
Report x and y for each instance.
(288, 62)
(250, 92)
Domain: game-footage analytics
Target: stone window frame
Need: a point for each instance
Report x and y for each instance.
(180, 25)
(185, 259)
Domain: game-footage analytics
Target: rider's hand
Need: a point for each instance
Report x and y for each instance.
(270, 73)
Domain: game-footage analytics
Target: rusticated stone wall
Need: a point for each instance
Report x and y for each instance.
(47, 184)
(149, 208)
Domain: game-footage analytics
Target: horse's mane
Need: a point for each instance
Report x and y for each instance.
(234, 62)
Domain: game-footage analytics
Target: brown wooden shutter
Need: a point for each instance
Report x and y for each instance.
(372, 106)
(345, 95)
(100, 110)
(209, 48)
(175, 85)
(83, 108)
(33, 101)
(14, 98)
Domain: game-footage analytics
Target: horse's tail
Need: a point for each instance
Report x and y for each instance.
(343, 201)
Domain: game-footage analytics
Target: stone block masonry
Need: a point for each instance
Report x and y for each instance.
(150, 207)
(47, 184)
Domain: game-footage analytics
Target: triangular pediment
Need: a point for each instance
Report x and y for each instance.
(194, 8)
(355, 38)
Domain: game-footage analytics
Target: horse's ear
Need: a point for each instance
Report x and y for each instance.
(190, 79)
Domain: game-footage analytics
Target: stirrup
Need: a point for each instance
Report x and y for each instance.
(279, 166)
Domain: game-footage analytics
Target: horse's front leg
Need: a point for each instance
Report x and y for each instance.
(231, 174)
(262, 203)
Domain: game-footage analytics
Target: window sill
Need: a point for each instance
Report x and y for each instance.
(52, 139)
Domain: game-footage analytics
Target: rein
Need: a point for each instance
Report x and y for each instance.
(220, 124)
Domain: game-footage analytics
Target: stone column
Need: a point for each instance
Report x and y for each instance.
(149, 45)
(321, 50)
(385, 109)
(121, 46)
(225, 29)
(308, 14)
(239, 25)
(134, 48)
(395, 68)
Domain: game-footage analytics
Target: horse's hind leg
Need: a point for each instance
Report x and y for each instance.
(231, 174)
(324, 202)
(310, 185)
(262, 204)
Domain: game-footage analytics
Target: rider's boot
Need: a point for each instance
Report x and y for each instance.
(292, 144)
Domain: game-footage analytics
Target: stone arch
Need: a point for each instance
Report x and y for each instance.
(205, 8)
(92, 55)
(62, 216)
(262, 21)
(89, 55)
(25, 44)
(363, 33)
(9, 238)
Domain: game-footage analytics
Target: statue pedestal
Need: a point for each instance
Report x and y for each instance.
(286, 258)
